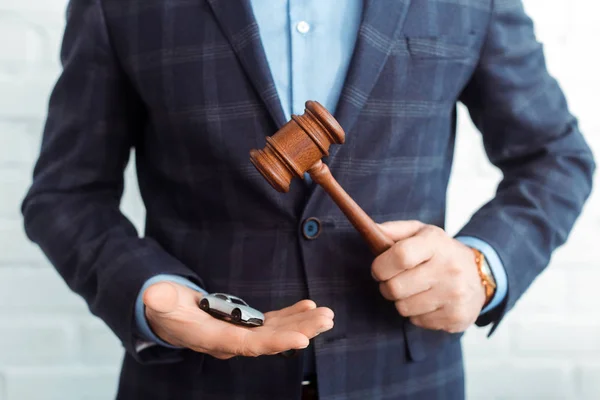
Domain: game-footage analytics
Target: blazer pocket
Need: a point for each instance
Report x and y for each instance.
(441, 47)
(422, 342)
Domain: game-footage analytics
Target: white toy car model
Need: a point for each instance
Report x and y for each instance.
(231, 308)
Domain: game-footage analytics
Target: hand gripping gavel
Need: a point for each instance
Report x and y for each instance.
(298, 148)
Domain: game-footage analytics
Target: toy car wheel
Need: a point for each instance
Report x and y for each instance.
(236, 315)
(204, 304)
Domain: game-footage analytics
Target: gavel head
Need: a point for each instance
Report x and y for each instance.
(297, 146)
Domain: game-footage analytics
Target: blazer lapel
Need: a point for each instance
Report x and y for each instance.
(239, 25)
(381, 22)
(378, 30)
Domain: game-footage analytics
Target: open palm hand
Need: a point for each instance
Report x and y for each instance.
(173, 313)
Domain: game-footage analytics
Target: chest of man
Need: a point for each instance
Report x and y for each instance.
(208, 73)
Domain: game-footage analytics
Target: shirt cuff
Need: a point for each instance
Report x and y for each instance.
(495, 265)
(149, 338)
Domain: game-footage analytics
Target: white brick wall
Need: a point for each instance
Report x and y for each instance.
(51, 348)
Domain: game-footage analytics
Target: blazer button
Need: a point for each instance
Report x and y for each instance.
(311, 228)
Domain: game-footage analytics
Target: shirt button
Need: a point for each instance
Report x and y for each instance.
(303, 27)
(311, 228)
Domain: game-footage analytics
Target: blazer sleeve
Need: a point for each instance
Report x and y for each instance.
(72, 209)
(531, 136)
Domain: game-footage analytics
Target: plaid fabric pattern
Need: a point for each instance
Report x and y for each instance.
(186, 84)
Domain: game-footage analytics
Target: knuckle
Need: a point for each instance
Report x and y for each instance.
(432, 230)
(377, 267)
(307, 304)
(395, 288)
(323, 321)
(455, 269)
(392, 289)
(322, 312)
(386, 291)
(458, 316)
(455, 328)
(450, 329)
(436, 234)
(440, 232)
(403, 308)
(457, 292)
(419, 224)
(400, 253)
(376, 273)
(403, 256)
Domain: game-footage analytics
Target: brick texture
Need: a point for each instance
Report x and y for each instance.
(520, 378)
(99, 347)
(588, 380)
(35, 342)
(52, 348)
(52, 383)
(35, 291)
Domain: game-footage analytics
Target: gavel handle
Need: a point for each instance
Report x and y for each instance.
(377, 240)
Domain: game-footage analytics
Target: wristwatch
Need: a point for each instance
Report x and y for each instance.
(486, 275)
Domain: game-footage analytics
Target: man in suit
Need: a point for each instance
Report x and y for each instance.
(193, 86)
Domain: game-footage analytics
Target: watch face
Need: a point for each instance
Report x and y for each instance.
(487, 270)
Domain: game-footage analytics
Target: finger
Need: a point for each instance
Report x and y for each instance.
(299, 307)
(419, 304)
(448, 318)
(275, 342)
(434, 320)
(402, 256)
(310, 323)
(255, 343)
(400, 230)
(292, 332)
(409, 283)
(221, 356)
(301, 316)
(314, 327)
(222, 337)
(197, 330)
(433, 233)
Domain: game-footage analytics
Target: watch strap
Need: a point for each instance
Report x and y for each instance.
(487, 280)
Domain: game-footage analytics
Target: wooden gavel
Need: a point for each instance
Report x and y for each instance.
(298, 147)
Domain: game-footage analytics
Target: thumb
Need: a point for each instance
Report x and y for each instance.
(400, 230)
(161, 297)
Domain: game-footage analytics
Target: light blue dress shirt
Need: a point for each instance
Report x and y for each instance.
(309, 45)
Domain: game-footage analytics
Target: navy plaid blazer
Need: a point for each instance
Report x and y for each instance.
(185, 83)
